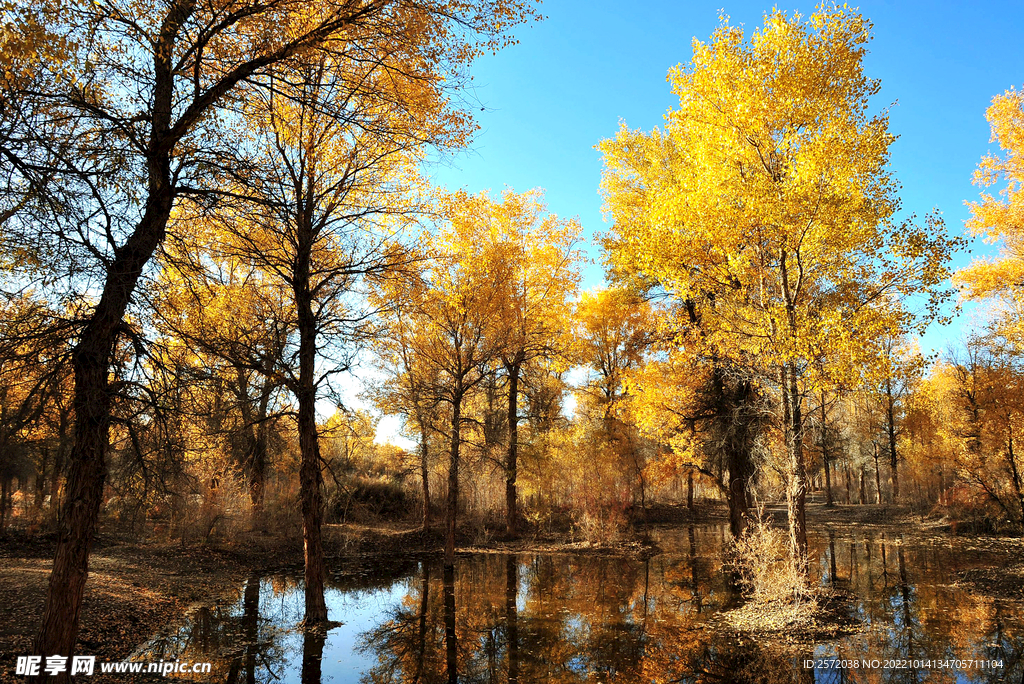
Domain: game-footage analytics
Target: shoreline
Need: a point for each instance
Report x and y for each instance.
(135, 588)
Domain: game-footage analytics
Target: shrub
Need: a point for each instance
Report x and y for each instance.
(766, 570)
(368, 500)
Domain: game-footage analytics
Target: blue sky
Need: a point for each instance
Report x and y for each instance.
(550, 99)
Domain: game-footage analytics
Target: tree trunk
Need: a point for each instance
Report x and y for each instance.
(737, 493)
(891, 430)
(796, 493)
(511, 465)
(824, 455)
(93, 395)
(846, 469)
(1017, 487)
(878, 476)
(452, 499)
(828, 485)
(425, 476)
(689, 490)
(863, 489)
(310, 475)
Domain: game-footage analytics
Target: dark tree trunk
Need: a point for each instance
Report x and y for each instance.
(451, 505)
(258, 475)
(828, 485)
(1015, 474)
(511, 465)
(878, 476)
(512, 617)
(863, 490)
(425, 476)
(846, 470)
(310, 474)
(825, 455)
(92, 402)
(689, 490)
(890, 414)
(796, 493)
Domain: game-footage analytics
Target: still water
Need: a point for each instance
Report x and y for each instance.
(587, 618)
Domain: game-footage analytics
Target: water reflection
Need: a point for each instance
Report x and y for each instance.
(569, 618)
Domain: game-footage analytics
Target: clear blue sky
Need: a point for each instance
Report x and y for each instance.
(573, 76)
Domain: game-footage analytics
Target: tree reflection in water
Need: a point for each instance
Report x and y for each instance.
(567, 619)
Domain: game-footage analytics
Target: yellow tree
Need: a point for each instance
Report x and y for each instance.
(149, 111)
(1002, 218)
(542, 277)
(614, 328)
(768, 198)
(446, 315)
(225, 316)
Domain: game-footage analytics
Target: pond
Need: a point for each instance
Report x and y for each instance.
(566, 618)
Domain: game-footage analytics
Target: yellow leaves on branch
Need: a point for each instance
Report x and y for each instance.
(767, 199)
(1002, 217)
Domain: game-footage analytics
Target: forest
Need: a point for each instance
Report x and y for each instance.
(224, 262)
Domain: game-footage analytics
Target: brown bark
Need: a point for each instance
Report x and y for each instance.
(863, 492)
(452, 499)
(1015, 473)
(878, 476)
(511, 465)
(796, 493)
(825, 455)
(737, 495)
(93, 351)
(689, 490)
(828, 485)
(890, 414)
(425, 476)
(846, 470)
(92, 403)
(310, 475)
